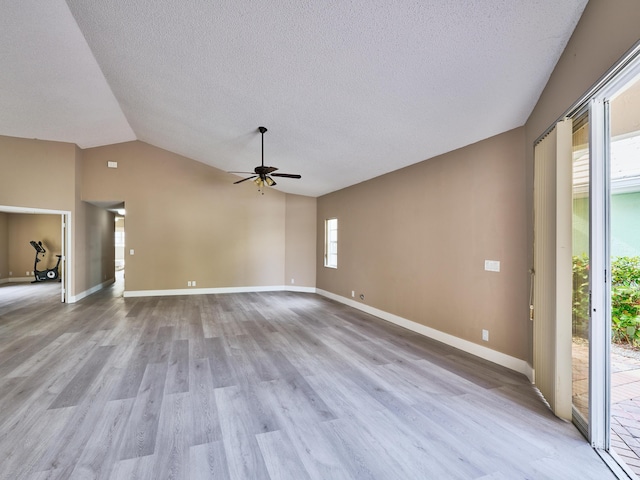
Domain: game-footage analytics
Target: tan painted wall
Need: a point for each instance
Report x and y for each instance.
(300, 251)
(95, 251)
(605, 32)
(36, 174)
(4, 246)
(42, 174)
(414, 243)
(187, 221)
(26, 227)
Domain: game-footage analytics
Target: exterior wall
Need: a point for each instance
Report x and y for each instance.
(625, 227)
(414, 242)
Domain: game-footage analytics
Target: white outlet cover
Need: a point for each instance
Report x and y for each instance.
(485, 335)
(193, 284)
(112, 164)
(131, 252)
(492, 265)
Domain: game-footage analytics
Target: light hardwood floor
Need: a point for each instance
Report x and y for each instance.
(258, 386)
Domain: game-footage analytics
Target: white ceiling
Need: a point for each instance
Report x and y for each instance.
(349, 89)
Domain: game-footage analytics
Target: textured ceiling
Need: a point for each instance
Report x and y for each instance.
(349, 90)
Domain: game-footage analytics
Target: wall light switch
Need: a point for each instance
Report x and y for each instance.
(131, 252)
(112, 164)
(193, 284)
(492, 265)
(485, 335)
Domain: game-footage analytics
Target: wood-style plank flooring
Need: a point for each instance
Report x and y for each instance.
(258, 386)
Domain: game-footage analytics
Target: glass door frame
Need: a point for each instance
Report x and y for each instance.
(599, 250)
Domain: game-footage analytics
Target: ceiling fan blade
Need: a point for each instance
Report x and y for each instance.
(268, 170)
(286, 175)
(244, 179)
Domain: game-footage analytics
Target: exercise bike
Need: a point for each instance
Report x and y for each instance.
(48, 274)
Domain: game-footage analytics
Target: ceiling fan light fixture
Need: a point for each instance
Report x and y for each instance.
(261, 177)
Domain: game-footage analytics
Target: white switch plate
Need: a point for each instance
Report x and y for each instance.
(189, 283)
(131, 252)
(485, 335)
(353, 294)
(112, 164)
(193, 284)
(492, 265)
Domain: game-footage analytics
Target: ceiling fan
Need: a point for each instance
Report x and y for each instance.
(262, 175)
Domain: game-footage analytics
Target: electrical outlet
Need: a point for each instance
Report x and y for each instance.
(492, 265)
(10, 274)
(193, 283)
(293, 280)
(353, 294)
(27, 273)
(485, 335)
(189, 283)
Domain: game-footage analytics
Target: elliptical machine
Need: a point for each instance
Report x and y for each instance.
(48, 274)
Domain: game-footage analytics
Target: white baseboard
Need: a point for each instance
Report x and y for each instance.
(494, 356)
(86, 293)
(210, 291)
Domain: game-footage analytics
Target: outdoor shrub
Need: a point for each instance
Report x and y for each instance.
(625, 298)
(581, 296)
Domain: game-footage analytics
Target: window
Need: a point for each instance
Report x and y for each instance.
(331, 243)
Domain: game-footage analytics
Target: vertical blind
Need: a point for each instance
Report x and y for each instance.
(552, 281)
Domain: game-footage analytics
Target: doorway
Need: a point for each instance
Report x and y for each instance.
(606, 267)
(119, 244)
(17, 257)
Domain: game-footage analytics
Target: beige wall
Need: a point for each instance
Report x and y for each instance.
(23, 228)
(414, 243)
(4, 246)
(45, 175)
(94, 245)
(186, 221)
(37, 174)
(300, 251)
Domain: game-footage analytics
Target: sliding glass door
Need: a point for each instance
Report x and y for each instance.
(580, 271)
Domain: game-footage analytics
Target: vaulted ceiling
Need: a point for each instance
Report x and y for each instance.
(348, 89)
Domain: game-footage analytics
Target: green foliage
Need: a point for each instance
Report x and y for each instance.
(581, 296)
(625, 298)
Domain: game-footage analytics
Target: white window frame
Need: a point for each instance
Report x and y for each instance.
(331, 245)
